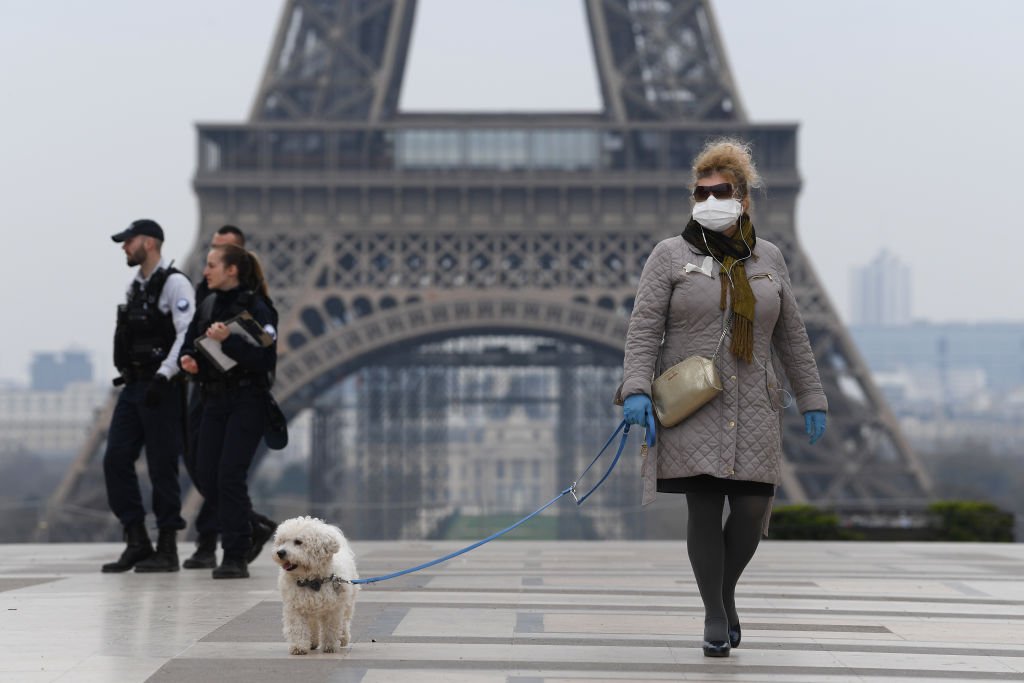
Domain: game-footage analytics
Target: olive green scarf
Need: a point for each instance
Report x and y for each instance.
(729, 251)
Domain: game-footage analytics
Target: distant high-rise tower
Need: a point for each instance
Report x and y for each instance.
(54, 371)
(880, 292)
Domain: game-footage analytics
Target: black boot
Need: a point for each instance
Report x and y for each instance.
(262, 531)
(138, 548)
(232, 567)
(165, 559)
(735, 635)
(205, 556)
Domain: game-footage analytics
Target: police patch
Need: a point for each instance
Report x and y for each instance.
(269, 329)
(182, 305)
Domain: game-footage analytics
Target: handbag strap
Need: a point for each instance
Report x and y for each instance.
(725, 330)
(725, 326)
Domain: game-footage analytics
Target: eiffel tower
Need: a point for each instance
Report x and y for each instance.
(385, 233)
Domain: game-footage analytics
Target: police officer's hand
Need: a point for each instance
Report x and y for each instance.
(218, 332)
(155, 392)
(189, 365)
(814, 424)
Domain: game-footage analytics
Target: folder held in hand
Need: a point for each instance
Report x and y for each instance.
(243, 325)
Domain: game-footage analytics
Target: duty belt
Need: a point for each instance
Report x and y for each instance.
(135, 374)
(222, 386)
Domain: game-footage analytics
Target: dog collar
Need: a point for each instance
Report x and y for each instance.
(315, 584)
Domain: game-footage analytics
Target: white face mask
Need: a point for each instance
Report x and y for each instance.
(717, 214)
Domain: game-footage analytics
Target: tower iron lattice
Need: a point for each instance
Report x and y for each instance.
(385, 233)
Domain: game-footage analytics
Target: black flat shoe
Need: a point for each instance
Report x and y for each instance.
(734, 635)
(716, 648)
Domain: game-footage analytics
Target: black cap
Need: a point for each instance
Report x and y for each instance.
(143, 226)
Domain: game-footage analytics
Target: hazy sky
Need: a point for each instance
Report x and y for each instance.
(910, 132)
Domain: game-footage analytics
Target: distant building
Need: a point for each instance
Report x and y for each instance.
(52, 371)
(880, 292)
(500, 466)
(48, 422)
(951, 385)
(953, 358)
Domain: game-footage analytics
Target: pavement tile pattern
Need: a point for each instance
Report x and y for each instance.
(530, 612)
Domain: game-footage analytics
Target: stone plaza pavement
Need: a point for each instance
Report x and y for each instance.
(525, 612)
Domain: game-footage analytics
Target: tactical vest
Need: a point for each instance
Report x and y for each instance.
(204, 310)
(144, 334)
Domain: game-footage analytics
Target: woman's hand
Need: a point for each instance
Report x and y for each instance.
(218, 332)
(814, 424)
(637, 410)
(189, 365)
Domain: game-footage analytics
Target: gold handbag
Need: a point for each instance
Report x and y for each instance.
(686, 386)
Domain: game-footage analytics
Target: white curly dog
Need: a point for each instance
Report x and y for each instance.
(316, 564)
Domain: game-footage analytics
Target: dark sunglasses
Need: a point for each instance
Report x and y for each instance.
(721, 191)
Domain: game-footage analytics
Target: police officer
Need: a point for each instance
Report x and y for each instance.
(151, 327)
(206, 523)
(235, 397)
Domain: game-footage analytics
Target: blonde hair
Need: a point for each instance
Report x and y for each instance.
(731, 157)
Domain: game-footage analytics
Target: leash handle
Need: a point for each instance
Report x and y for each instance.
(569, 490)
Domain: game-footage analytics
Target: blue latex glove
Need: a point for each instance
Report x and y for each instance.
(637, 410)
(814, 424)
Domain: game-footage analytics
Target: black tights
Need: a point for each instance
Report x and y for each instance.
(718, 556)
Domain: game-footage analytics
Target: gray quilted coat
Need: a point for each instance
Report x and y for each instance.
(737, 434)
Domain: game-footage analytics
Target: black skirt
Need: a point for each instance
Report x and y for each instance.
(705, 483)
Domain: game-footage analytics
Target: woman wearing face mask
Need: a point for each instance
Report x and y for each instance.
(235, 400)
(719, 276)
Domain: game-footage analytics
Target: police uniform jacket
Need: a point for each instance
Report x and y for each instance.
(255, 364)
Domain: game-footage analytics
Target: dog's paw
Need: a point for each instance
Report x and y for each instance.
(328, 648)
(314, 645)
(298, 650)
(344, 639)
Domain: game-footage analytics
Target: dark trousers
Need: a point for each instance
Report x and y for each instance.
(229, 434)
(206, 521)
(158, 429)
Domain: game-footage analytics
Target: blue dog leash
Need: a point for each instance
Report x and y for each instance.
(570, 490)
